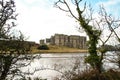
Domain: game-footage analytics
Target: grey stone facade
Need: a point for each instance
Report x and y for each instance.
(72, 41)
(42, 42)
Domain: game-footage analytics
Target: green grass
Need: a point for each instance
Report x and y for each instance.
(59, 49)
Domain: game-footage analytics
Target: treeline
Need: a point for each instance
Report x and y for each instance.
(110, 47)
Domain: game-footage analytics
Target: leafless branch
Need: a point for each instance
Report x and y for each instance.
(110, 21)
(68, 8)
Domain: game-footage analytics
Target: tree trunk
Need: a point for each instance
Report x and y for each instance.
(7, 63)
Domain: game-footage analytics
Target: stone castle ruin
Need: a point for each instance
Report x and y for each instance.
(73, 41)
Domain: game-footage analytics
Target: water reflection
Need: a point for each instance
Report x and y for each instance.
(49, 65)
(52, 65)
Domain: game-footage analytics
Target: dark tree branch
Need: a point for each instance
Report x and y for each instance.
(67, 5)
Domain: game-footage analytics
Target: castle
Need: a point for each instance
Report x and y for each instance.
(73, 41)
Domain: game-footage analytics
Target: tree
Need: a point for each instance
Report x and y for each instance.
(112, 23)
(13, 48)
(94, 33)
(43, 47)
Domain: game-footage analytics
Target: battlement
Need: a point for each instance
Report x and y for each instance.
(73, 41)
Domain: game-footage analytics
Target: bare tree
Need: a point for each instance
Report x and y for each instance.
(111, 24)
(13, 48)
(94, 33)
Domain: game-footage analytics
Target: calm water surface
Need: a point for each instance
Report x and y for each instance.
(61, 61)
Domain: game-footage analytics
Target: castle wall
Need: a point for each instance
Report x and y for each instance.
(72, 41)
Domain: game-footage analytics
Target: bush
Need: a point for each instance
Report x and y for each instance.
(43, 47)
(94, 75)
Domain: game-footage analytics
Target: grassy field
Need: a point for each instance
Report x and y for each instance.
(59, 49)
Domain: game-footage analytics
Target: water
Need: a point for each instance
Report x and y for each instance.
(53, 64)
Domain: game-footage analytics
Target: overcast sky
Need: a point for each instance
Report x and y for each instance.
(39, 19)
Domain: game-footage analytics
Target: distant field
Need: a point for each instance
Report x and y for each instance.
(59, 49)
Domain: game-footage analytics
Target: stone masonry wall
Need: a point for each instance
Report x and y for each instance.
(72, 41)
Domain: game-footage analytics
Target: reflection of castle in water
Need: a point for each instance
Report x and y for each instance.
(72, 41)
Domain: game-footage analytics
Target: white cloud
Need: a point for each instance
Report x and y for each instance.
(111, 6)
(109, 3)
(41, 22)
(39, 19)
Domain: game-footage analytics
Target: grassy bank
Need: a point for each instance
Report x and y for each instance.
(59, 49)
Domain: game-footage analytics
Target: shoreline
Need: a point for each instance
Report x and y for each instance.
(60, 51)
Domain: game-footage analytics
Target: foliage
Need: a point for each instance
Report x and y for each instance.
(94, 75)
(13, 48)
(43, 47)
(75, 73)
(94, 32)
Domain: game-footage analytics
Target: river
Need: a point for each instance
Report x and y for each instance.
(51, 65)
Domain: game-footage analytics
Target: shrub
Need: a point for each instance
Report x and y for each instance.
(94, 75)
(43, 47)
